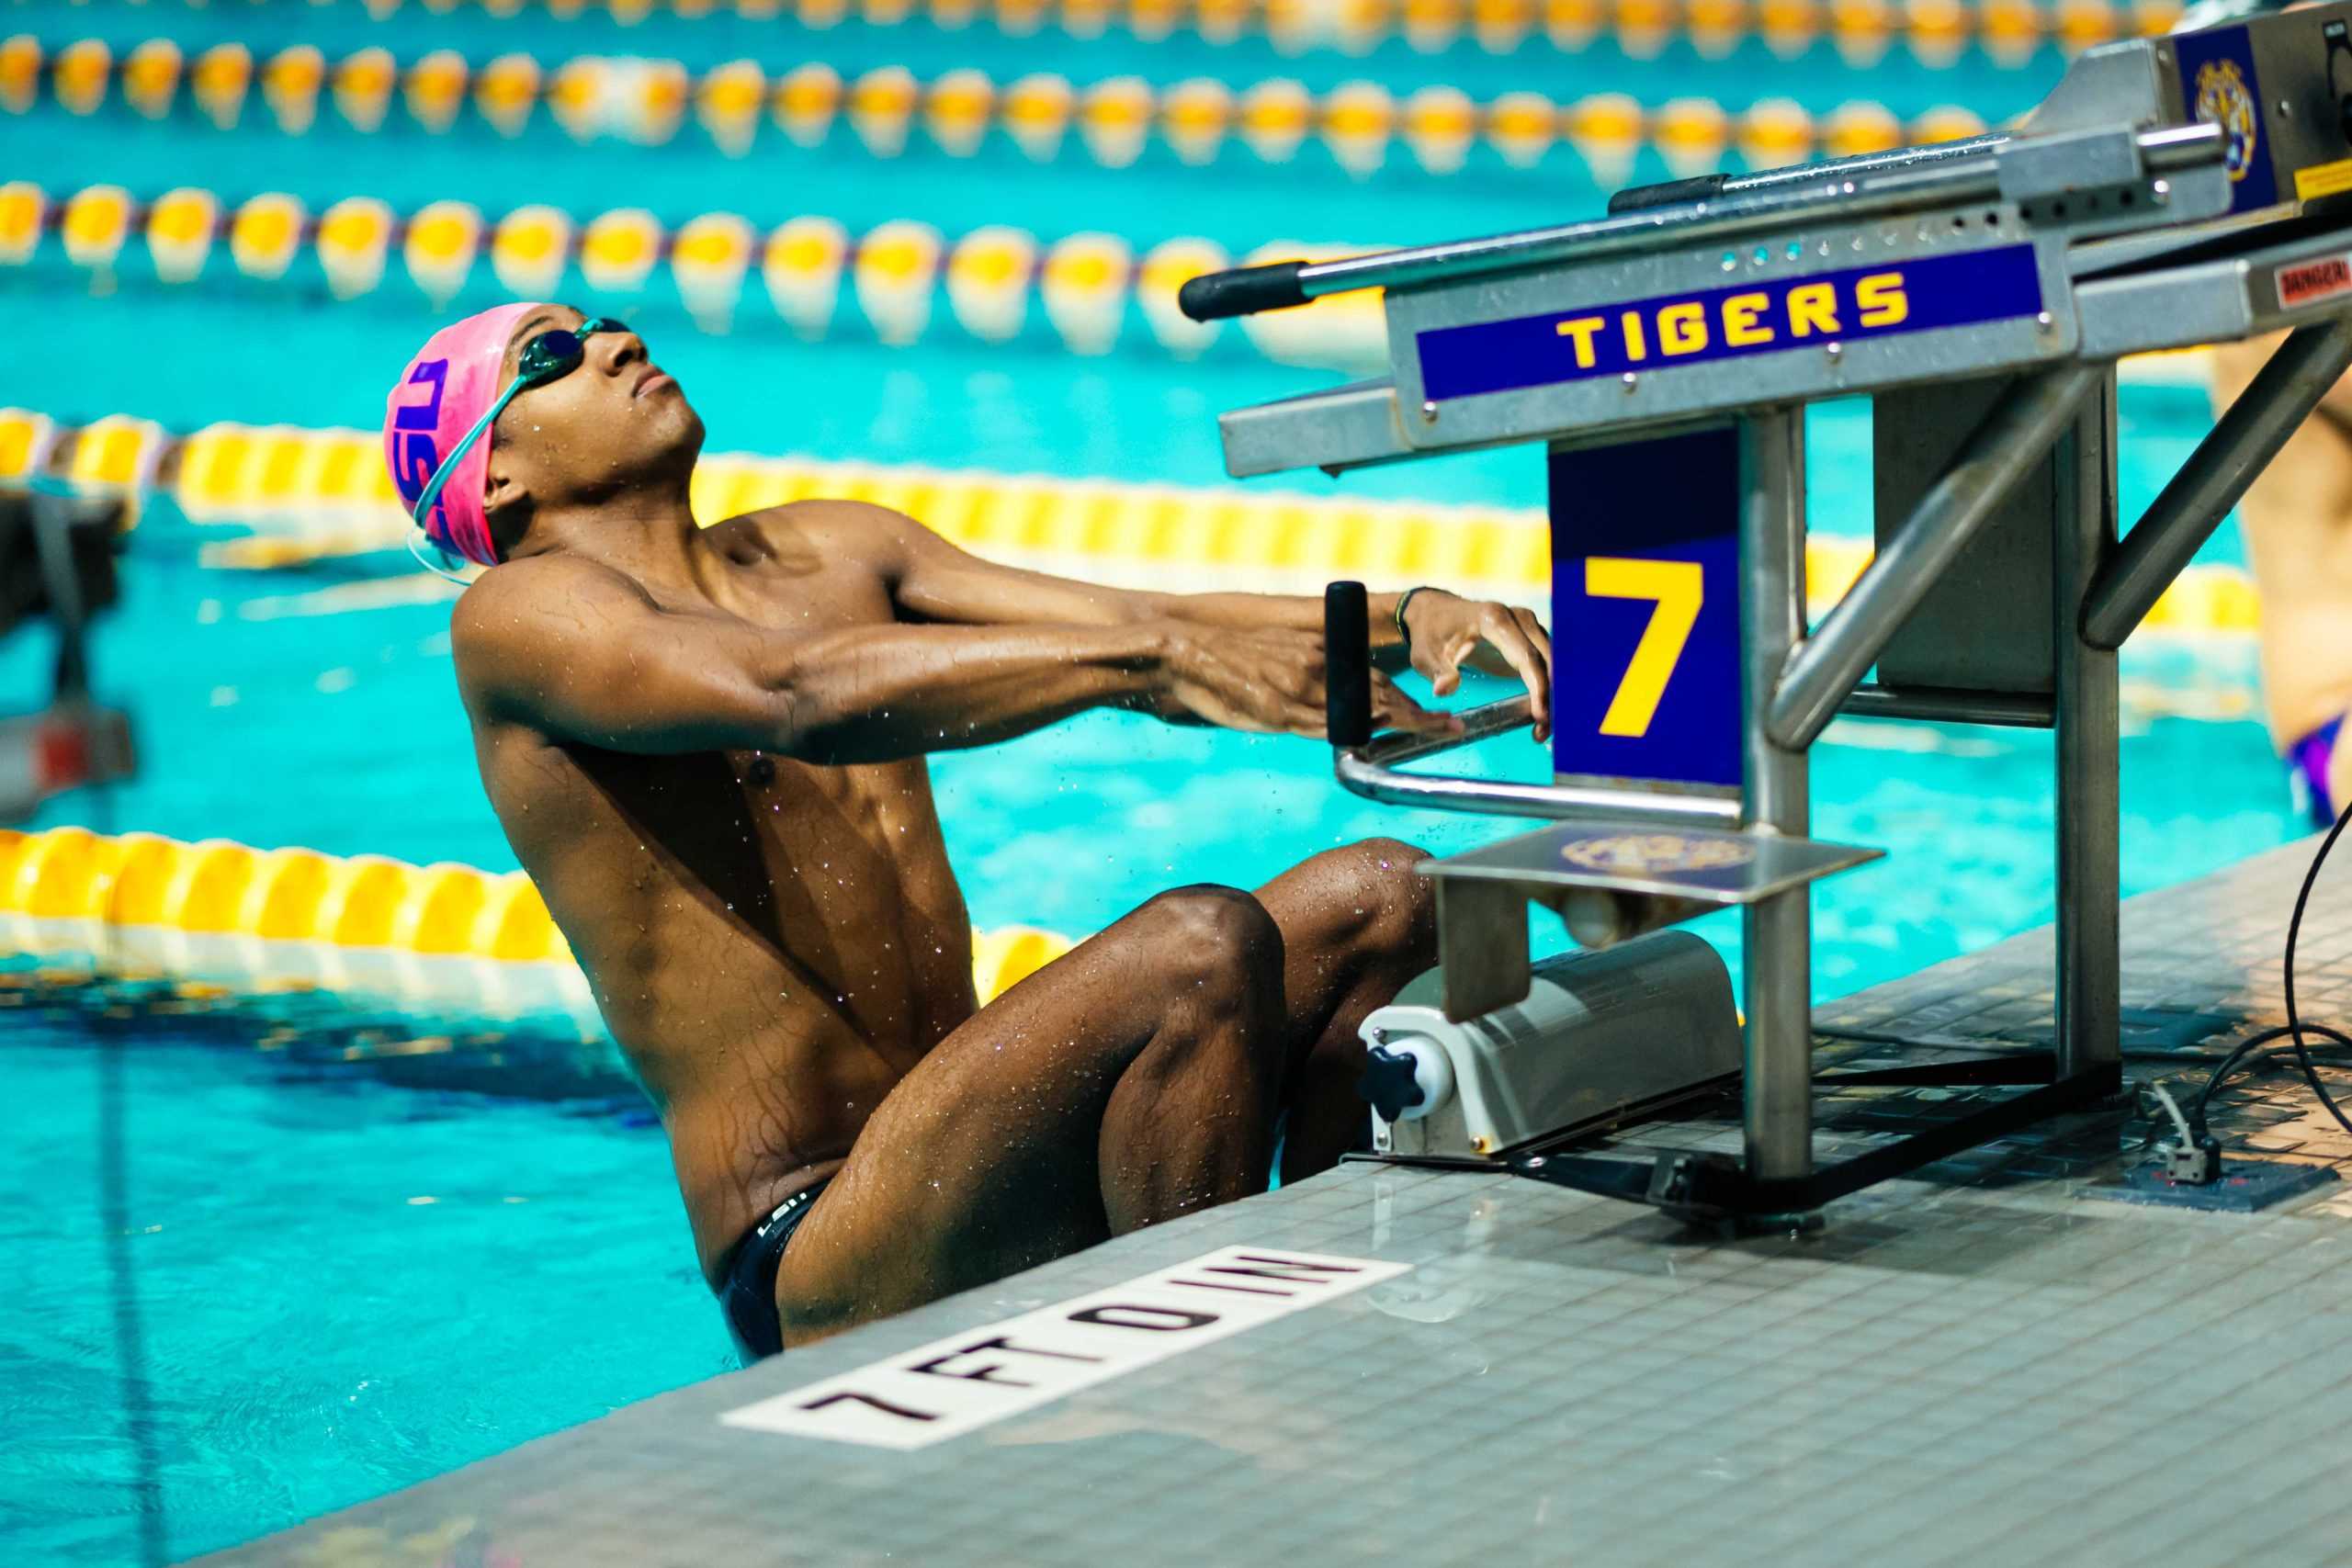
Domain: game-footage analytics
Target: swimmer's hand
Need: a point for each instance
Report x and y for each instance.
(1270, 681)
(1447, 631)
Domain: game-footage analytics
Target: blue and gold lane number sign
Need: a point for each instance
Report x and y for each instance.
(1804, 311)
(1645, 609)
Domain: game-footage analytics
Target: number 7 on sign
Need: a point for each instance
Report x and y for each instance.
(1679, 588)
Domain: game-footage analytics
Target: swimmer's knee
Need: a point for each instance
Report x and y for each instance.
(1386, 862)
(1378, 898)
(1208, 933)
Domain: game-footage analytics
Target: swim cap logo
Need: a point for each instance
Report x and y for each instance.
(1639, 852)
(2223, 98)
(414, 455)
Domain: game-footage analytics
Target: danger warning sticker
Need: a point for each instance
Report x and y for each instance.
(2307, 283)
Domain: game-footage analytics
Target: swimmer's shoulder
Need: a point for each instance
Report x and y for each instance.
(836, 528)
(502, 603)
(505, 620)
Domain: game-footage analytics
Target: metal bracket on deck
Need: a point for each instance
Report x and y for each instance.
(1702, 1187)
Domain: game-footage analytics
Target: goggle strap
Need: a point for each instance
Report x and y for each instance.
(440, 479)
(418, 544)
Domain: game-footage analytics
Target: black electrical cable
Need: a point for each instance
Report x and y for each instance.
(2246, 1048)
(2294, 931)
(2295, 1028)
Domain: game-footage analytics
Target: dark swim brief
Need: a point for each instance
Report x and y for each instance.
(2307, 763)
(749, 1296)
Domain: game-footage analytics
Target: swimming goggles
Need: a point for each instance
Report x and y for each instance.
(549, 357)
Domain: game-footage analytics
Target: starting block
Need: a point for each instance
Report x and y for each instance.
(2170, 192)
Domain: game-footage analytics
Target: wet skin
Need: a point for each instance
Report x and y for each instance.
(708, 748)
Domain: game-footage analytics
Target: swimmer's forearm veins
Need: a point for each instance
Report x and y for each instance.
(1254, 611)
(582, 654)
(877, 694)
(592, 659)
(936, 581)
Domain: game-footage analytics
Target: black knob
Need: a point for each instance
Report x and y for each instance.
(1242, 291)
(1672, 193)
(1389, 1083)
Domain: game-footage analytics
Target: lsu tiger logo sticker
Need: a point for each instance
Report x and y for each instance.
(2224, 99)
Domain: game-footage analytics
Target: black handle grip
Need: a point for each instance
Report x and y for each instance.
(1671, 193)
(1244, 291)
(1347, 665)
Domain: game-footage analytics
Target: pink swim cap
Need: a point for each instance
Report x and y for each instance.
(449, 385)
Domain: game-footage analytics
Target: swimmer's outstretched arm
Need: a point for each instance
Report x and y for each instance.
(937, 581)
(580, 653)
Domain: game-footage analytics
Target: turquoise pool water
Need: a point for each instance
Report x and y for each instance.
(340, 1283)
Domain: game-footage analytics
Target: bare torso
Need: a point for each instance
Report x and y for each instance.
(772, 943)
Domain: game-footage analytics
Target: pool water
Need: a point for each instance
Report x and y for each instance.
(314, 1331)
(331, 1285)
(255, 1285)
(343, 1285)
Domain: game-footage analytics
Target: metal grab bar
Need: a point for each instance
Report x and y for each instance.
(1814, 191)
(1477, 724)
(2234, 453)
(2021, 710)
(1370, 771)
(1826, 667)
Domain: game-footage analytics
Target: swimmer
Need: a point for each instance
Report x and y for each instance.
(706, 746)
(2297, 523)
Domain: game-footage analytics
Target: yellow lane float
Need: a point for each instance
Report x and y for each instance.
(312, 493)
(138, 905)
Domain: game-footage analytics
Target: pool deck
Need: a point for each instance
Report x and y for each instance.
(1982, 1364)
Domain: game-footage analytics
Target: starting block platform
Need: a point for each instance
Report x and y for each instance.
(1980, 1362)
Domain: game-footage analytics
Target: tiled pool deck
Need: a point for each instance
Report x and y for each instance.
(1985, 1364)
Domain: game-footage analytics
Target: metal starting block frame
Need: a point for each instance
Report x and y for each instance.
(2170, 192)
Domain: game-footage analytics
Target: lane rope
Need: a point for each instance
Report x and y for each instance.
(648, 101)
(311, 493)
